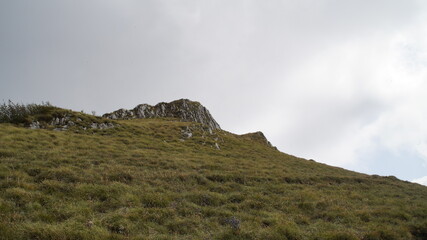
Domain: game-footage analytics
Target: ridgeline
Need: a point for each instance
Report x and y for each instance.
(170, 172)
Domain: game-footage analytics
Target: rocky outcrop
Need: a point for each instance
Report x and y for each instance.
(259, 137)
(67, 121)
(208, 137)
(183, 109)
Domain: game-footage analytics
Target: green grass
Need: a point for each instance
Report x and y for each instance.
(141, 180)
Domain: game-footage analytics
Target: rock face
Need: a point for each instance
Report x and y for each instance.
(183, 109)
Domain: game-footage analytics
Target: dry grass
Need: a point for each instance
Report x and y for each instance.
(140, 180)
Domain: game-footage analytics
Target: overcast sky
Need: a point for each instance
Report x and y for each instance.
(343, 82)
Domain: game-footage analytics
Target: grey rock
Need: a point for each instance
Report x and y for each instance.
(217, 146)
(183, 109)
(60, 121)
(35, 125)
(55, 121)
(233, 222)
(101, 125)
(187, 133)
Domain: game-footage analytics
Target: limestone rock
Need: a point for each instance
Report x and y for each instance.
(183, 109)
(187, 132)
(65, 121)
(101, 125)
(35, 125)
(217, 146)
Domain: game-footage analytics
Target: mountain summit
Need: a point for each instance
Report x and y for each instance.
(184, 109)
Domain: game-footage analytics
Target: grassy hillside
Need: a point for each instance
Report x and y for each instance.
(143, 179)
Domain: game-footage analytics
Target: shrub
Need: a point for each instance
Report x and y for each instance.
(18, 113)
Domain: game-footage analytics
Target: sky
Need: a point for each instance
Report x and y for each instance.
(340, 82)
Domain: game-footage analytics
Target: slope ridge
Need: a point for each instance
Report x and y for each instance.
(145, 179)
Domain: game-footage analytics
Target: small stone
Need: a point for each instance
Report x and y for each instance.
(89, 224)
(233, 222)
(35, 125)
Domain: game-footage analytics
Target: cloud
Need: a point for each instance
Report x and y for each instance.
(336, 81)
(358, 97)
(422, 180)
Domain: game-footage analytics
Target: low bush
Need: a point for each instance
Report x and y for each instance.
(11, 112)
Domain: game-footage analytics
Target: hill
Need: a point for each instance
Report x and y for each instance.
(69, 175)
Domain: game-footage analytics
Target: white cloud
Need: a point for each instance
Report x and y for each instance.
(360, 95)
(330, 80)
(422, 180)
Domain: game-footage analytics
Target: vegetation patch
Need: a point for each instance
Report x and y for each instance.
(143, 180)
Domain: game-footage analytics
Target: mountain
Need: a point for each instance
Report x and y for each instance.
(174, 174)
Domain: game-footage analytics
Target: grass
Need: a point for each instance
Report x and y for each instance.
(143, 180)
